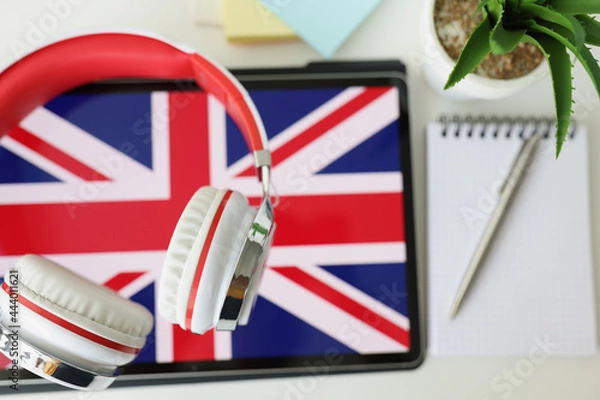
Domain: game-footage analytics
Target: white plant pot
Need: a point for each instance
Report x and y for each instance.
(437, 65)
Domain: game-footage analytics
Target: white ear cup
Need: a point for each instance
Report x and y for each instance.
(230, 233)
(198, 270)
(72, 318)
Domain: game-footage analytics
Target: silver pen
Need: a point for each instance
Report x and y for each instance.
(507, 191)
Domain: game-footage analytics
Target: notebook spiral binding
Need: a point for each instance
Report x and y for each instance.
(495, 127)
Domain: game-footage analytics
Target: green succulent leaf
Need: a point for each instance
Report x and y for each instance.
(590, 64)
(476, 49)
(575, 6)
(579, 31)
(583, 54)
(480, 7)
(494, 10)
(591, 28)
(560, 69)
(545, 13)
(504, 41)
(548, 28)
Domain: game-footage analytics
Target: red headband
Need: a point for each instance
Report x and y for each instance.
(65, 65)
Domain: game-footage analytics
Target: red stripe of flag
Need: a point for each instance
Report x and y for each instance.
(322, 126)
(303, 220)
(5, 362)
(121, 280)
(188, 346)
(56, 155)
(345, 303)
(71, 327)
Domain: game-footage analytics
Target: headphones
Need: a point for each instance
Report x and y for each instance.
(77, 333)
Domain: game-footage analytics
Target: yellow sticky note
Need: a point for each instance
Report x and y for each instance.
(248, 21)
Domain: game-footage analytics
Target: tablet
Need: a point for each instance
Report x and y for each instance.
(340, 290)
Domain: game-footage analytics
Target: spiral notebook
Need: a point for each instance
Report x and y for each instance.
(535, 290)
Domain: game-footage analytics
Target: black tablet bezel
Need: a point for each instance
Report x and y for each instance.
(323, 75)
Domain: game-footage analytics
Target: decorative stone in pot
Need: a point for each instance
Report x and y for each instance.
(445, 28)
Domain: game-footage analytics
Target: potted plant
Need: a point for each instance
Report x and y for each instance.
(445, 29)
(554, 26)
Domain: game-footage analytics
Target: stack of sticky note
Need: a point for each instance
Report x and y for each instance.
(324, 24)
(249, 21)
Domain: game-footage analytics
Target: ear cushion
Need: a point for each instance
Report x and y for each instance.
(71, 300)
(185, 234)
(58, 341)
(193, 287)
(231, 230)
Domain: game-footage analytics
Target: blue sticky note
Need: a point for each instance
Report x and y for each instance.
(324, 24)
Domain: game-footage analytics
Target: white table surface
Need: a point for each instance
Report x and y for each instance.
(390, 32)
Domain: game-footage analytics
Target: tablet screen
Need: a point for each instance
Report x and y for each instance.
(97, 178)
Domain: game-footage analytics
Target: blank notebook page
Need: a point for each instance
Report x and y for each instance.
(536, 283)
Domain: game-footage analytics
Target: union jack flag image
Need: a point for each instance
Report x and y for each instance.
(97, 181)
